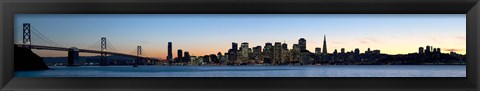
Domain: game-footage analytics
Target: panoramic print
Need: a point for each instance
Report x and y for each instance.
(240, 45)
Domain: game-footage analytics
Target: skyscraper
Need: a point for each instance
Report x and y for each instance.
(187, 57)
(284, 46)
(268, 53)
(170, 54)
(324, 45)
(277, 52)
(302, 43)
(244, 52)
(357, 51)
(234, 46)
(428, 49)
(232, 53)
(318, 50)
(420, 50)
(180, 55)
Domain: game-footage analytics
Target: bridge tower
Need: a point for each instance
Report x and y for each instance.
(139, 55)
(27, 40)
(73, 56)
(103, 49)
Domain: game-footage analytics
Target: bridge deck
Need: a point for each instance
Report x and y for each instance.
(40, 47)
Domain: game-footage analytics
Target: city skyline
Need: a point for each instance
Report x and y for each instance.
(202, 37)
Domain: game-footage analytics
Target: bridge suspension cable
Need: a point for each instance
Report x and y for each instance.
(40, 35)
(109, 45)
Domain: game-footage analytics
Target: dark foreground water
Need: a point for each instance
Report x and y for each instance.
(253, 71)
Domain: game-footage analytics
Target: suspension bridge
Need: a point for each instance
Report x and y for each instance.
(73, 52)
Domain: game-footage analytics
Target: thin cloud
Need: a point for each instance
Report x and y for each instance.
(374, 40)
(363, 42)
(369, 40)
(453, 50)
(461, 38)
(338, 42)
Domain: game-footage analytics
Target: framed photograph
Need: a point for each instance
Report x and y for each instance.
(239, 45)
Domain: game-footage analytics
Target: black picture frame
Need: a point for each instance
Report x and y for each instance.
(9, 8)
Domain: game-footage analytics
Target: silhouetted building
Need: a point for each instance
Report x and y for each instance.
(179, 55)
(257, 54)
(324, 45)
(284, 46)
(233, 53)
(187, 57)
(368, 52)
(342, 51)
(214, 59)
(335, 52)
(234, 46)
(170, 54)
(295, 53)
(206, 59)
(277, 53)
(420, 50)
(244, 52)
(318, 50)
(428, 49)
(268, 53)
(357, 51)
(302, 43)
(376, 52)
(285, 54)
(438, 50)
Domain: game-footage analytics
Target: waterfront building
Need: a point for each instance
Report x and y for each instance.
(285, 55)
(302, 43)
(257, 54)
(277, 53)
(244, 52)
(318, 51)
(187, 57)
(324, 52)
(420, 50)
(179, 55)
(295, 53)
(268, 53)
(428, 49)
(170, 54)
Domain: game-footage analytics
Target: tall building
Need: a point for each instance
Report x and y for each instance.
(257, 56)
(295, 53)
(244, 52)
(170, 54)
(439, 51)
(277, 52)
(368, 51)
(234, 46)
(284, 46)
(268, 53)
(335, 52)
(420, 50)
(342, 51)
(233, 53)
(179, 55)
(187, 57)
(428, 49)
(324, 45)
(285, 53)
(302, 43)
(318, 50)
(357, 51)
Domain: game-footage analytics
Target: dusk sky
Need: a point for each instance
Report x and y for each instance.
(202, 34)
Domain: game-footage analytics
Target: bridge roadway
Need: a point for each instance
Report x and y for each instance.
(40, 47)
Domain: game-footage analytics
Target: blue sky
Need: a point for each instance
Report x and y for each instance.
(202, 34)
